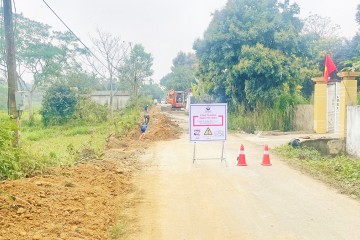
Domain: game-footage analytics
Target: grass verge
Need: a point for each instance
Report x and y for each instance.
(341, 172)
(43, 147)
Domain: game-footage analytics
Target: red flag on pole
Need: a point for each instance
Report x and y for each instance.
(329, 67)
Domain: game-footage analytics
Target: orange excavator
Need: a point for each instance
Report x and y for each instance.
(177, 99)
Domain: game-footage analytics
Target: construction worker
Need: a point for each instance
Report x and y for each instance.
(146, 115)
(143, 130)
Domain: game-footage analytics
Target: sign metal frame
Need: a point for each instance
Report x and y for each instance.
(208, 122)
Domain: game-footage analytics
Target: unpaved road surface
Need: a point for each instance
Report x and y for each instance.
(216, 200)
(94, 199)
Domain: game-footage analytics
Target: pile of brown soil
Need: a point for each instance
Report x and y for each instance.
(85, 201)
(160, 128)
(79, 202)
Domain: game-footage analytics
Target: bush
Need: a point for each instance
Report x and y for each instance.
(58, 105)
(9, 155)
(89, 111)
(16, 162)
(263, 118)
(129, 116)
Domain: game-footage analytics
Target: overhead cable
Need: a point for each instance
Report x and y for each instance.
(73, 33)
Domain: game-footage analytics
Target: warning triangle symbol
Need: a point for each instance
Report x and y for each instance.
(208, 132)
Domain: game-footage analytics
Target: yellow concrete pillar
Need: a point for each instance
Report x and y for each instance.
(348, 97)
(320, 105)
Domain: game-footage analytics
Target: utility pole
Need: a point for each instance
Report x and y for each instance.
(11, 65)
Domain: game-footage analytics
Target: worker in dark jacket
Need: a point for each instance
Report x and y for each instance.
(146, 115)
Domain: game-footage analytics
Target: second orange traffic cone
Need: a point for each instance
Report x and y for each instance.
(241, 157)
(266, 157)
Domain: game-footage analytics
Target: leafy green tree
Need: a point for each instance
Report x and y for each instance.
(44, 54)
(154, 90)
(352, 62)
(58, 106)
(320, 37)
(238, 55)
(136, 70)
(84, 82)
(183, 72)
(261, 74)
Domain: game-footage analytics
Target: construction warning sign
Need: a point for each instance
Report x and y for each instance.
(208, 132)
(208, 122)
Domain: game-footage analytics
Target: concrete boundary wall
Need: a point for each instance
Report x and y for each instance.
(304, 118)
(353, 130)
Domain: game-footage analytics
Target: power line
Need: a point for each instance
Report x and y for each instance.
(73, 33)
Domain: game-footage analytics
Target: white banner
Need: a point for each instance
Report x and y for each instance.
(208, 122)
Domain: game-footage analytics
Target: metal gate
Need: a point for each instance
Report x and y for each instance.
(333, 107)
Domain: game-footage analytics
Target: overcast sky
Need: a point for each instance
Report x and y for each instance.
(163, 27)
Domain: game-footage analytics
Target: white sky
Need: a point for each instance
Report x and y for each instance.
(163, 27)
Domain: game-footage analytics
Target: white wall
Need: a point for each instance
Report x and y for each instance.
(353, 130)
(118, 101)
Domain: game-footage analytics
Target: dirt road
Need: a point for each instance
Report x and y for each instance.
(92, 199)
(217, 200)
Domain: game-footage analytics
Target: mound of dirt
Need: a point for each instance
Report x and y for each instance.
(160, 128)
(74, 203)
(83, 201)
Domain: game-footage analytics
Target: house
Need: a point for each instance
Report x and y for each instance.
(120, 98)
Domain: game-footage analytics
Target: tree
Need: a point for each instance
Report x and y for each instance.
(136, 70)
(3, 96)
(352, 63)
(58, 106)
(182, 74)
(153, 90)
(261, 74)
(44, 55)
(113, 51)
(83, 81)
(320, 26)
(237, 37)
(320, 37)
(51, 61)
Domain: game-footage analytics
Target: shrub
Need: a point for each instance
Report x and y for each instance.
(129, 116)
(58, 105)
(90, 112)
(16, 162)
(9, 156)
(278, 117)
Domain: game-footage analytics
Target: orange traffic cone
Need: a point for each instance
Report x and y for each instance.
(241, 157)
(266, 158)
